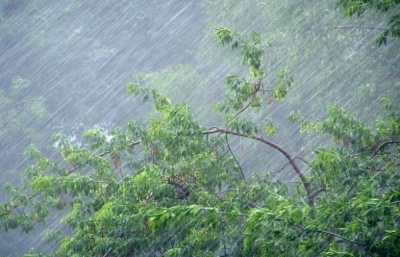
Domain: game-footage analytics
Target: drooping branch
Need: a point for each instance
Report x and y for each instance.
(300, 174)
(382, 145)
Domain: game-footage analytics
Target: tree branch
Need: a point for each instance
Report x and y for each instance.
(217, 130)
(382, 145)
(283, 167)
(301, 159)
(247, 105)
(257, 88)
(299, 173)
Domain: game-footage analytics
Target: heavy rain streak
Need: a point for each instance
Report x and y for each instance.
(199, 128)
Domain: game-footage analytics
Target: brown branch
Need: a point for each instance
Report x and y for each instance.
(299, 173)
(382, 145)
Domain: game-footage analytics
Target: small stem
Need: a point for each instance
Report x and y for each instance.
(230, 150)
(247, 106)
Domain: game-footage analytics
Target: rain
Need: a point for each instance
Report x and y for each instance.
(65, 64)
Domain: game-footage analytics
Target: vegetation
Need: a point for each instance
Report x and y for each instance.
(391, 7)
(172, 187)
(173, 183)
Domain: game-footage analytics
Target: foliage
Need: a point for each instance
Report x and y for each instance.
(244, 93)
(170, 187)
(391, 7)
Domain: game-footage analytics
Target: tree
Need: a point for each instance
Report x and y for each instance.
(391, 8)
(171, 187)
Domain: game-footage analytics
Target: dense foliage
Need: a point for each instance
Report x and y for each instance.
(172, 187)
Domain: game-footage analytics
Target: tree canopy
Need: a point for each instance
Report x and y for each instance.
(170, 186)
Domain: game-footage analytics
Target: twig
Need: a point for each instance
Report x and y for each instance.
(283, 167)
(248, 105)
(234, 157)
(301, 159)
(256, 88)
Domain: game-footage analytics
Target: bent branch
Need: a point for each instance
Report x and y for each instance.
(300, 174)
